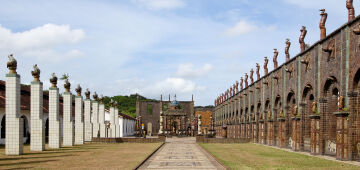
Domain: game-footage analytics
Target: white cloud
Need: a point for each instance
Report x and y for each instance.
(190, 72)
(240, 28)
(160, 4)
(41, 42)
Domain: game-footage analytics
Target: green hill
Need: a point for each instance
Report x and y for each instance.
(126, 104)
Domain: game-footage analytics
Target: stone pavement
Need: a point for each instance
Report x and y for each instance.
(181, 153)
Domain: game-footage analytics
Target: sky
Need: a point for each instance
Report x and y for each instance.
(154, 47)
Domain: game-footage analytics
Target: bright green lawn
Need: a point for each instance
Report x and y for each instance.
(254, 156)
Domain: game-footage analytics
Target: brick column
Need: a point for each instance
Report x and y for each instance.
(102, 118)
(68, 123)
(323, 111)
(342, 135)
(79, 121)
(95, 116)
(295, 146)
(314, 134)
(282, 132)
(87, 117)
(37, 139)
(54, 119)
(353, 141)
(14, 124)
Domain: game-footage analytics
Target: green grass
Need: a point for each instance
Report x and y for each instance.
(253, 156)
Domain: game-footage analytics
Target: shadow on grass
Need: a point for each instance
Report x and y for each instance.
(20, 168)
(38, 157)
(50, 152)
(27, 162)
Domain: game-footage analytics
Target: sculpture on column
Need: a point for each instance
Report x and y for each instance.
(67, 84)
(302, 38)
(341, 101)
(287, 47)
(323, 15)
(237, 86)
(53, 80)
(351, 10)
(78, 90)
(241, 83)
(314, 107)
(258, 71)
(95, 96)
(266, 61)
(231, 91)
(251, 76)
(87, 93)
(246, 79)
(12, 64)
(36, 73)
(276, 53)
(234, 89)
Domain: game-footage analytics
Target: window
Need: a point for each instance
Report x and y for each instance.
(149, 109)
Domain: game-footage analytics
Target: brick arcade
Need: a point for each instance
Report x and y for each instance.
(309, 103)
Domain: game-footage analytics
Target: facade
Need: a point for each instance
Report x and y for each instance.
(206, 113)
(176, 116)
(309, 103)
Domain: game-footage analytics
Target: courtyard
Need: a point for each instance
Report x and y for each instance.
(88, 156)
(255, 156)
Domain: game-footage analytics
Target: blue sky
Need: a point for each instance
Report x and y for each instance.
(155, 47)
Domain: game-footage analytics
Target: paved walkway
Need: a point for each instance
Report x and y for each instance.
(181, 153)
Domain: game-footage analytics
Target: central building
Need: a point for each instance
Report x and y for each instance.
(177, 116)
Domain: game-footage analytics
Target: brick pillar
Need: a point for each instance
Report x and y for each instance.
(79, 121)
(270, 131)
(301, 130)
(282, 132)
(95, 117)
(68, 123)
(295, 146)
(102, 120)
(37, 139)
(323, 111)
(87, 120)
(315, 134)
(353, 124)
(54, 120)
(342, 135)
(14, 124)
(121, 126)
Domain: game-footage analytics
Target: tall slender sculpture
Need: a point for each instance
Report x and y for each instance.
(54, 119)
(37, 139)
(87, 117)
(276, 53)
(246, 79)
(266, 61)
(237, 86)
(258, 71)
(351, 10)
(68, 123)
(302, 38)
(252, 76)
(14, 123)
(287, 47)
(231, 91)
(323, 15)
(241, 83)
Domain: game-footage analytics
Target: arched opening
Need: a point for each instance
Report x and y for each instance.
(3, 126)
(259, 113)
(252, 113)
(331, 93)
(356, 81)
(277, 106)
(308, 101)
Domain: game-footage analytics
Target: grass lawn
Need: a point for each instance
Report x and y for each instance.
(253, 156)
(88, 156)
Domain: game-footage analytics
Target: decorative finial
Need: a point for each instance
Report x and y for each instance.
(287, 47)
(87, 93)
(101, 99)
(351, 10)
(67, 84)
(95, 96)
(12, 64)
(53, 80)
(302, 38)
(36, 73)
(266, 61)
(78, 90)
(323, 15)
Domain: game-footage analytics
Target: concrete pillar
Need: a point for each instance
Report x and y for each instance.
(102, 118)
(121, 126)
(54, 120)
(87, 117)
(117, 122)
(79, 121)
(68, 123)
(95, 116)
(37, 139)
(14, 124)
(112, 120)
